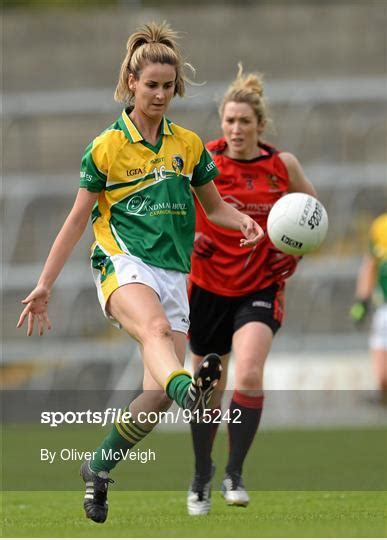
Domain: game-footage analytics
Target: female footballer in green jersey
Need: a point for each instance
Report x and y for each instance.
(137, 179)
(372, 285)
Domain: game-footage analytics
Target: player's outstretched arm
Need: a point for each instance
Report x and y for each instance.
(225, 215)
(36, 303)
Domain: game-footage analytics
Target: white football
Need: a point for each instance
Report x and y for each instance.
(297, 224)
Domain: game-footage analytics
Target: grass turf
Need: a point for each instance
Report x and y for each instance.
(321, 483)
(282, 460)
(163, 514)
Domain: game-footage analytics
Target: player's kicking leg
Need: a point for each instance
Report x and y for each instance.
(198, 394)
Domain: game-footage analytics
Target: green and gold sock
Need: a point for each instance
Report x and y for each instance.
(123, 436)
(177, 384)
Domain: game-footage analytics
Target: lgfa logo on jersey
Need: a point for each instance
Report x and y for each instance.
(177, 164)
(135, 172)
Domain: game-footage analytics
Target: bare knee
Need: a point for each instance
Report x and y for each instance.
(250, 380)
(158, 329)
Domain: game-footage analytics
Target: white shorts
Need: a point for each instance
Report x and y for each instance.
(169, 285)
(378, 337)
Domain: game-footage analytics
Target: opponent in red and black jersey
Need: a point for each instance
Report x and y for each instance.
(237, 294)
(253, 187)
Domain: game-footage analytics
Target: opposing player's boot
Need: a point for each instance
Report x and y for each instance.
(233, 490)
(204, 380)
(199, 495)
(95, 501)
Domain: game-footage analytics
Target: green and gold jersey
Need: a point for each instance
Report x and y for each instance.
(378, 248)
(145, 205)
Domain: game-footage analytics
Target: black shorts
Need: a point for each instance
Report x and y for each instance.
(214, 318)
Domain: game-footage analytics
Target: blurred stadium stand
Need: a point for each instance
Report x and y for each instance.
(326, 82)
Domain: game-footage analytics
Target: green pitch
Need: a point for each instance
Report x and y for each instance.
(302, 483)
(162, 514)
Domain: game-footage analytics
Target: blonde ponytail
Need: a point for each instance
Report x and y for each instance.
(247, 89)
(152, 43)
